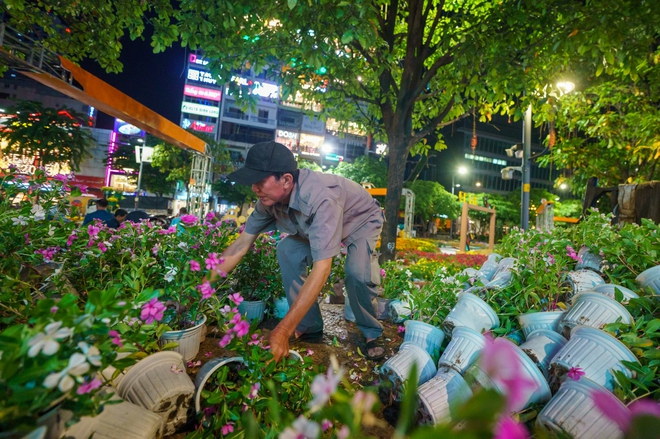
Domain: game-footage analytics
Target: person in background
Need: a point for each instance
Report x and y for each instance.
(177, 219)
(120, 217)
(100, 214)
(137, 215)
(319, 212)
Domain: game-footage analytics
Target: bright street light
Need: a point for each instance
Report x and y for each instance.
(461, 170)
(478, 184)
(562, 186)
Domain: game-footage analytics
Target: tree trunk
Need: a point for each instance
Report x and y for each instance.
(398, 150)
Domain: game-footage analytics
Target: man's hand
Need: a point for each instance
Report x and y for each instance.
(279, 344)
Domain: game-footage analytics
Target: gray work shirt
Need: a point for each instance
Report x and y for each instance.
(324, 209)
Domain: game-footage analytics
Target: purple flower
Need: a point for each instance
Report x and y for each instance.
(191, 364)
(326, 425)
(571, 253)
(225, 340)
(229, 426)
(61, 177)
(254, 391)
(27, 239)
(54, 309)
(236, 298)
(210, 216)
(401, 329)
(507, 428)
(116, 340)
(241, 328)
(152, 310)
(206, 289)
(89, 386)
(188, 220)
(194, 265)
(155, 249)
(575, 373)
(72, 237)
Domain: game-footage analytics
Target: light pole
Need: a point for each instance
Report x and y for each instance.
(461, 170)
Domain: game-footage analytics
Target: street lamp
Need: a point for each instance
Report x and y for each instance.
(461, 170)
(563, 87)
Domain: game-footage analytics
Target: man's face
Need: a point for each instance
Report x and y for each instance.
(271, 190)
(121, 219)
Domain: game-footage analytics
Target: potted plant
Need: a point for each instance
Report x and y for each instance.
(397, 283)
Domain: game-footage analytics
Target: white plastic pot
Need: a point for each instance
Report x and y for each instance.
(188, 339)
(541, 346)
(609, 291)
(572, 413)
(440, 396)
(382, 308)
(426, 336)
(650, 279)
(399, 311)
(595, 310)
(206, 371)
(494, 257)
(397, 368)
(596, 353)
(488, 269)
(582, 280)
(539, 392)
(472, 312)
(532, 321)
(463, 349)
(160, 384)
(252, 310)
(588, 260)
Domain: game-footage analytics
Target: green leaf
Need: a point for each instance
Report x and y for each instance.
(292, 3)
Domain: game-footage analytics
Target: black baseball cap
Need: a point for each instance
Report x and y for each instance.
(263, 160)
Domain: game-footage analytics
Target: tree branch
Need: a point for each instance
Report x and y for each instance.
(435, 122)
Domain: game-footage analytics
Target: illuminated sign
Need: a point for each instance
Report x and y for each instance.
(201, 76)
(129, 130)
(334, 158)
(202, 110)
(194, 59)
(310, 144)
(201, 92)
(29, 165)
(287, 134)
(264, 90)
(287, 138)
(198, 126)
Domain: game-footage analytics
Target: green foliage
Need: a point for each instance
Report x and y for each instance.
(257, 276)
(365, 169)
(306, 164)
(397, 281)
(234, 193)
(432, 200)
(41, 132)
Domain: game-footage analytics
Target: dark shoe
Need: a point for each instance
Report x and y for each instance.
(374, 345)
(309, 337)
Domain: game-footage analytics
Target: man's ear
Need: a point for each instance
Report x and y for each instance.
(288, 180)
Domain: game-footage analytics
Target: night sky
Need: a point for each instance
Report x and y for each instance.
(154, 80)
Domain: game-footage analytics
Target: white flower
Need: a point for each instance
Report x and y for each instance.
(39, 212)
(323, 387)
(20, 220)
(64, 380)
(171, 272)
(47, 342)
(408, 273)
(183, 245)
(51, 230)
(301, 428)
(107, 244)
(92, 353)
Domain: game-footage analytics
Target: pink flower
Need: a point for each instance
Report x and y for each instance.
(225, 340)
(225, 309)
(212, 261)
(507, 428)
(54, 309)
(607, 404)
(206, 289)
(401, 329)
(194, 265)
(254, 391)
(116, 339)
(500, 361)
(175, 370)
(89, 386)
(220, 272)
(575, 373)
(254, 341)
(302, 428)
(242, 328)
(152, 310)
(236, 298)
(72, 237)
(234, 320)
(382, 273)
(571, 253)
(325, 424)
(191, 364)
(208, 354)
(188, 220)
(61, 177)
(92, 230)
(645, 406)
(27, 239)
(229, 427)
(343, 432)
(210, 216)
(155, 249)
(102, 247)
(324, 386)
(310, 352)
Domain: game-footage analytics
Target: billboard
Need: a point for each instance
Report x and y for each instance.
(202, 110)
(197, 125)
(202, 92)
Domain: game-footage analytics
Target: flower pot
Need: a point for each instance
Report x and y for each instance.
(532, 321)
(426, 336)
(609, 291)
(539, 392)
(581, 281)
(506, 264)
(123, 420)
(160, 384)
(440, 396)
(650, 279)
(281, 307)
(500, 279)
(595, 310)
(397, 368)
(109, 371)
(472, 312)
(573, 413)
(51, 424)
(399, 311)
(487, 271)
(588, 260)
(252, 310)
(382, 308)
(189, 339)
(494, 257)
(463, 349)
(348, 312)
(595, 352)
(541, 346)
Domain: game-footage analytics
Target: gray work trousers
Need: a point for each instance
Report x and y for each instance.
(362, 277)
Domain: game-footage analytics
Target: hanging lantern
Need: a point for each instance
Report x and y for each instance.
(473, 142)
(552, 138)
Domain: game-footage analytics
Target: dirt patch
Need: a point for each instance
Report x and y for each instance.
(341, 338)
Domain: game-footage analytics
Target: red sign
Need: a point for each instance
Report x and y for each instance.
(201, 126)
(201, 92)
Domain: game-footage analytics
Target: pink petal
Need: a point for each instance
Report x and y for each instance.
(645, 406)
(507, 428)
(605, 402)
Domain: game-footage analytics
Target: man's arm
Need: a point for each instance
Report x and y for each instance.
(233, 254)
(309, 293)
